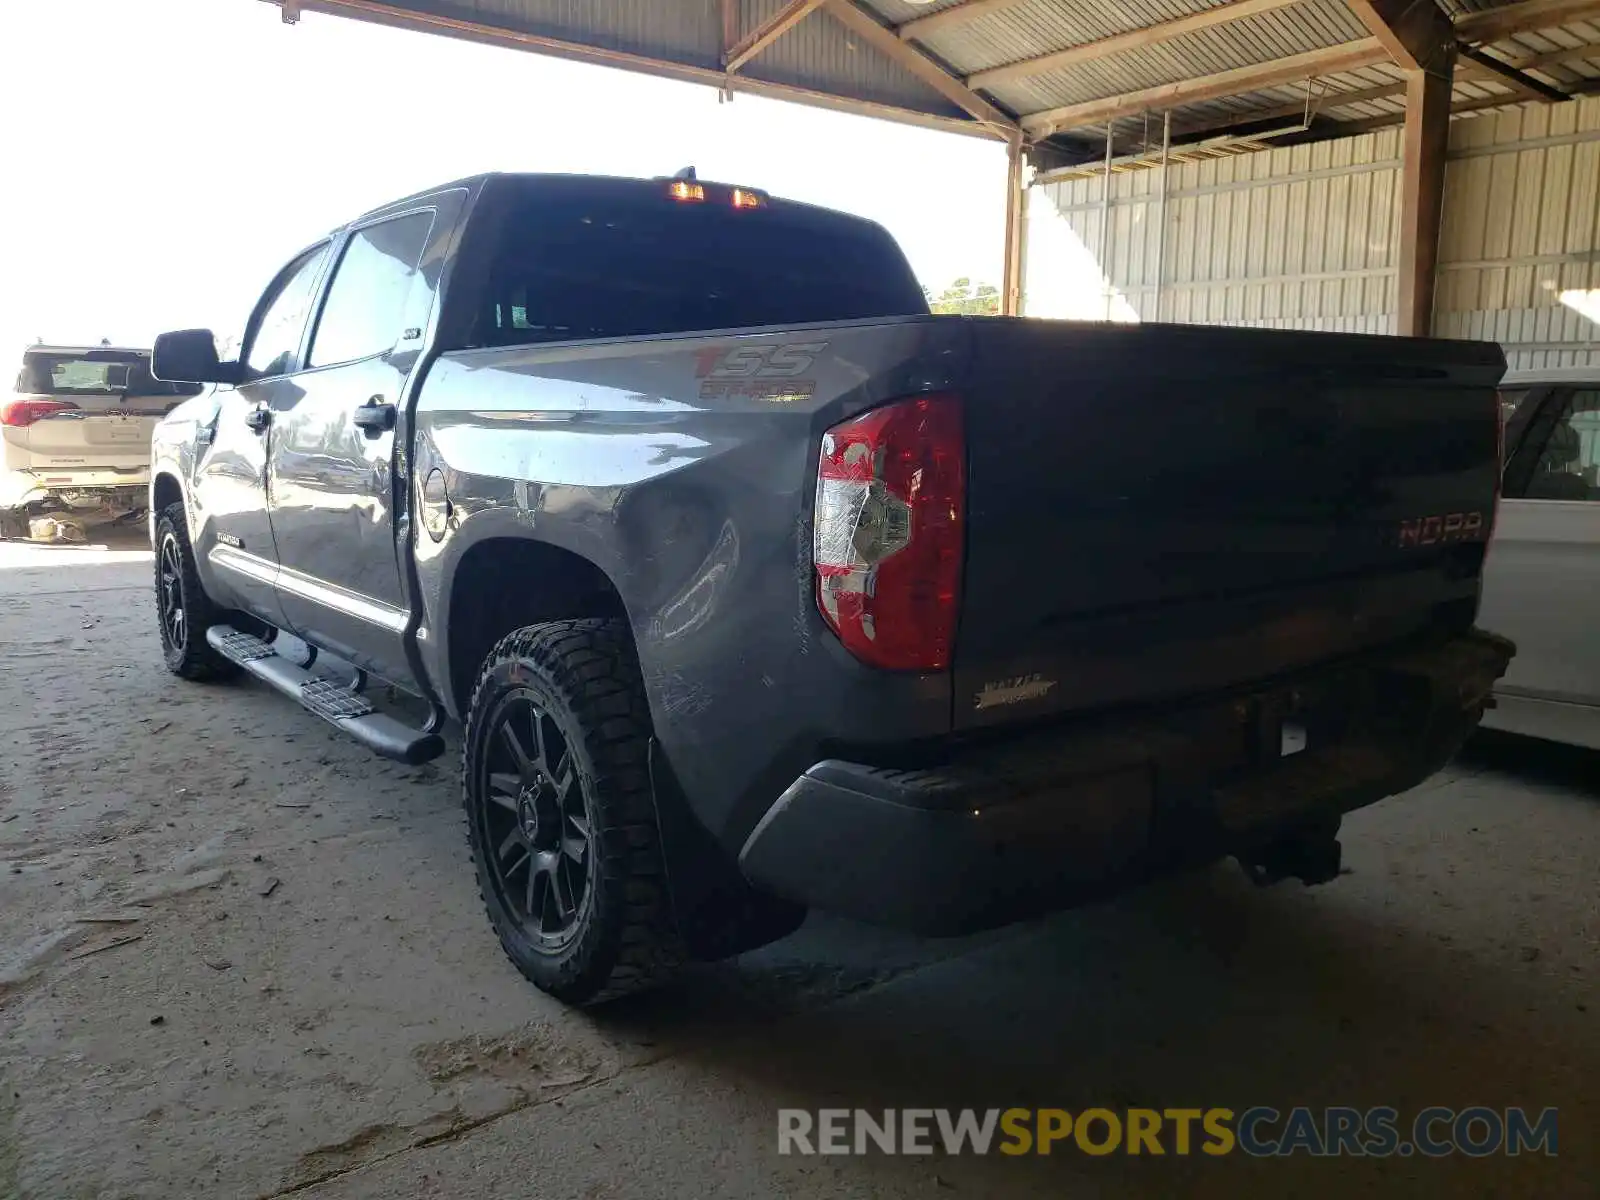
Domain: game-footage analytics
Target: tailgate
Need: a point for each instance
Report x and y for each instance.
(1164, 510)
(100, 432)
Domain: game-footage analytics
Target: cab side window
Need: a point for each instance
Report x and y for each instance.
(1561, 460)
(366, 301)
(275, 346)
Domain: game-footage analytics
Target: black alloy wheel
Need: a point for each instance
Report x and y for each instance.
(555, 782)
(169, 594)
(537, 821)
(183, 610)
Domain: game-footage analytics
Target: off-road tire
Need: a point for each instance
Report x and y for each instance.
(584, 675)
(189, 655)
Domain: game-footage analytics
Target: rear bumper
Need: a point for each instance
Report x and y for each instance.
(18, 488)
(1010, 830)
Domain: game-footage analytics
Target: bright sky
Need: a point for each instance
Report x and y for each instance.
(165, 157)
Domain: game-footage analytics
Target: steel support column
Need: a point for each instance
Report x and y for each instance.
(1427, 137)
(1422, 42)
(1016, 198)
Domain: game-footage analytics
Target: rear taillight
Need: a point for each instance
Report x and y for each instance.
(891, 491)
(20, 413)
(1500, 466)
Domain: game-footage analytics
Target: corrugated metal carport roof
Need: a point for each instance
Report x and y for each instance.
(817, 60)
(1061, 70)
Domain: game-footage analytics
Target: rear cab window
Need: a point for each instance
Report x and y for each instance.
(366, 299)
(95, 373)
(565, 260)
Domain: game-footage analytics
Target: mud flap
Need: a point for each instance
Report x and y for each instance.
(716, 911)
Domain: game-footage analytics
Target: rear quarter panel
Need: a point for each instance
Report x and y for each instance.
(684, 468)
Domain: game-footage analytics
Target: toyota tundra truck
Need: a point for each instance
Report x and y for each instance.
(754, 587)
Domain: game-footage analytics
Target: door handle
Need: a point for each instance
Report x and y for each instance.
(258, 418)
(375, 417)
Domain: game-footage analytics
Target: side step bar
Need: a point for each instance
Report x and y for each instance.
(339, 706)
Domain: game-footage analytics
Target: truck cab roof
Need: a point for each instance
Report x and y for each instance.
(614, 184)
(58, 348)
(1536, 376)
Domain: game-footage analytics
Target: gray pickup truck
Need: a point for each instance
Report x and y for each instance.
(757, 588)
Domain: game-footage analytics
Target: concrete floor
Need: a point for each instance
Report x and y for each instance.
(314, 1004)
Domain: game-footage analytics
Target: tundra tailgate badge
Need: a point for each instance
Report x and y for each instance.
(1013, 691)
(1443, 529)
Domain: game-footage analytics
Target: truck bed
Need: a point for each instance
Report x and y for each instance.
(1158, 510)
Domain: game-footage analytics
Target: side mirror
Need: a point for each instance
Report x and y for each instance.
(190, 356)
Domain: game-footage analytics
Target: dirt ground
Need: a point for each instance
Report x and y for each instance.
(240, 957)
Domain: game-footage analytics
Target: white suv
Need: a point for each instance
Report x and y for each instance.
(76, 433)
(1543, 571)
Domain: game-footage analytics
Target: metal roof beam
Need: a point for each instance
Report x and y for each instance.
(1133, 39)
(956, 14)
(1497, 24)
(1314, 104)
(1330, 60)
(1416, 33)
(1319, 104)
(1555, 58)
(1512, 76)
(393, 15)
(915, 62)
(769, 31)
(1386, 120)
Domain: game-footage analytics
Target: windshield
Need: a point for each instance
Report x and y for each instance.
(94, 373)
(581, 260)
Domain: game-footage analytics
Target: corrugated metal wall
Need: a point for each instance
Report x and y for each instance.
(1521, 234)
(1295, 238)
(1305, 237)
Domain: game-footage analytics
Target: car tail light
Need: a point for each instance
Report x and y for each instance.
(888, 532)
(1500, 466)
(21, 413)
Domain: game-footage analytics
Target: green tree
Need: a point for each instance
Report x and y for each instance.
(963, 298)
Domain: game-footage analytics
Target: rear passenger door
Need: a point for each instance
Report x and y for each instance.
(1543, 572)
(332, 473)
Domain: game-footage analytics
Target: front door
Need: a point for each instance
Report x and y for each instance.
(332, 464)
(233, 543)
(1543, 569)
